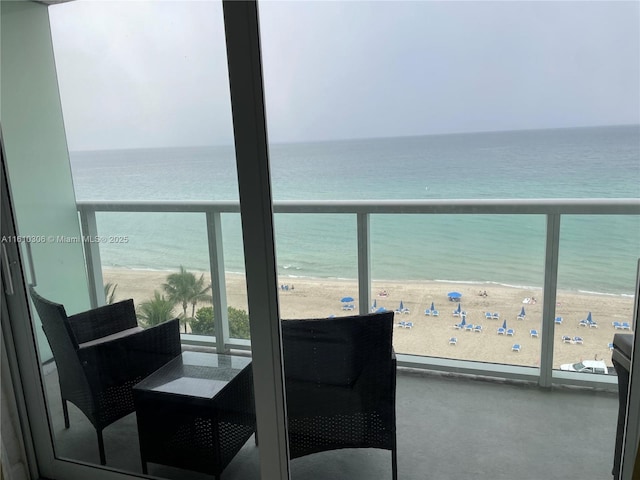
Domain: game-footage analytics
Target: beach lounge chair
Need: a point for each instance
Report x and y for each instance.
(435, 313)
(515, 347)
(348, 306)
(616, 325)
(427, 312)
(610, 346)
(520, 317)
(487, 315)
(511, 332)
(578, 340)
(625, 326)
(453, 341)
(495, 316)
(408, 324)
(477, 328)
(593, 324)
(468, 327)
(401, 308)
(566, 339)
(583, 323)
(558, 321)
(533, 332)
(456, 313)
(502, 331)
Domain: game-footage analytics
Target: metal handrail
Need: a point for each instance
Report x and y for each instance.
(563, 206)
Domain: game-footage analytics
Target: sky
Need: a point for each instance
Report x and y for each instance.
(154, 73)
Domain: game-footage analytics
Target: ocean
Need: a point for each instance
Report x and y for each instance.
(598, 254)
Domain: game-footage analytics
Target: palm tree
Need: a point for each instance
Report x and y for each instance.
(155, 311)
(110, 292)
(200, 294)
(184, 288)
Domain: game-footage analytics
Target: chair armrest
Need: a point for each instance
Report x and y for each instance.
(132, 357)
(103, 321)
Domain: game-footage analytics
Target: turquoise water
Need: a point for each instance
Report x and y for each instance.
(598, 254)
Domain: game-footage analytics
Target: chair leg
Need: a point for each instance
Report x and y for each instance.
(394, 464)
(103, 460)
(65, 413)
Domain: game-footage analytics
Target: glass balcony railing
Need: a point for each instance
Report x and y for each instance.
(517, 289)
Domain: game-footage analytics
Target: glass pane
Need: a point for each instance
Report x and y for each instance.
(595, 297)
(414, 138)
(142, 199)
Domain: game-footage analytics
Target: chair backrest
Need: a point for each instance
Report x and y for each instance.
(338, 351)
(59, 335)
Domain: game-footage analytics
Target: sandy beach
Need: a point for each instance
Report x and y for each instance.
(312, 298)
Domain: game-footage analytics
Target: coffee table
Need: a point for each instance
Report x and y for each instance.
(196, 412)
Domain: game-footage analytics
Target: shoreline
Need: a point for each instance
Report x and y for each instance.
(303, 278)
(429, 336)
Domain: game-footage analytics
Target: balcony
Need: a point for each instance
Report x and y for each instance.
(545, 370)
(448, 427)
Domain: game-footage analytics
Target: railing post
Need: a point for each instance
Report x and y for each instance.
(218, 282)
(92, 257)
(364, 263)
(549, 295)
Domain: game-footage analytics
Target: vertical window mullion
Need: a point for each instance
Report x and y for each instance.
(256, 210)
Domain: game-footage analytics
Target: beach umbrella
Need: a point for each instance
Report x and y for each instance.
(504, 324)
(522, 312)
(459, 309)
(401, 307)
(589, 319)
(433, 307)
(464, 321)
(346, 299)
(375, 304)
(454, 295)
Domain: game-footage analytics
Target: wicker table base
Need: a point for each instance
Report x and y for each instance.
(196, 412)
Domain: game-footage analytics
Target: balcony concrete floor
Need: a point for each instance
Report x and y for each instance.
(449, 428)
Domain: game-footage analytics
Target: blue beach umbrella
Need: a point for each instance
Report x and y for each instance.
(346, 299)
(464, 321)
(401, 307)
(433, 307)
(454, 295)
(589, 319)
(459, 309)
(375, 304)
(504, 324)
(522, 312)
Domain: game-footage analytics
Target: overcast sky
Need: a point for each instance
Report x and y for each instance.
(154, 74)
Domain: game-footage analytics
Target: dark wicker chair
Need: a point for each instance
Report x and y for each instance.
(340, 376)
(101, 354)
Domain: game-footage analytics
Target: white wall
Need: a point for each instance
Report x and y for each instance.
(37, 156)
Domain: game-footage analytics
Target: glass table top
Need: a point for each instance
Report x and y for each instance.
(195, 374)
